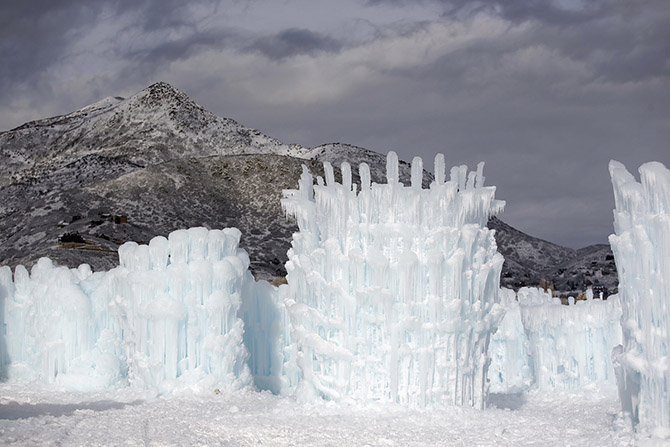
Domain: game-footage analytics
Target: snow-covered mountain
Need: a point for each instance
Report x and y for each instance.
(530, 260)
(156, 125)
(74, 187)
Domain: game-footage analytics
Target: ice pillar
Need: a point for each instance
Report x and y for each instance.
(641, 246)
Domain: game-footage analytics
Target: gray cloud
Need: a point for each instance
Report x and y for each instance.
(625, 41)
(33, 35)
(294, 41)
(176, 49)
(542, 92)
(546, 11)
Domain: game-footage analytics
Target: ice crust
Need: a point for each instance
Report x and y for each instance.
(166, 317)
(641, 246)
(392, 290)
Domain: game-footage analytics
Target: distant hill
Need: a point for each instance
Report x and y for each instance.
(529, 260)
(131, 169)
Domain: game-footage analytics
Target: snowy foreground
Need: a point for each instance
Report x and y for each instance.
(589, 417)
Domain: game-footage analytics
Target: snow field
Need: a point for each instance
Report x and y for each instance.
(48, 417)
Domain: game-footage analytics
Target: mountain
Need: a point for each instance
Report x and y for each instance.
(74, 187)
(530, 261)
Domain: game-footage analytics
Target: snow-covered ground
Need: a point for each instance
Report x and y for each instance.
(30, 417)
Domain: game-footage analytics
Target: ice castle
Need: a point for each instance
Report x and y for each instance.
(393, 295)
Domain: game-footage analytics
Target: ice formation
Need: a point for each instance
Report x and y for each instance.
(548, 345)
(393, 290)
(167, 316)
(570, 345)
(511, 369)
(267, 338)
(641, 249)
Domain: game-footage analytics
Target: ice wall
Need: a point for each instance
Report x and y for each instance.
(166, 317)
(392, 290)
(570, 345)
(544, 344)
(641, 249)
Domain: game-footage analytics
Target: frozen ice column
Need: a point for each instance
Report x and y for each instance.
(392, 289)
(641, 249)
(511, 368)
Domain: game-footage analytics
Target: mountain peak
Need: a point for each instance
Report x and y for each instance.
(162, 93)
(162, 88)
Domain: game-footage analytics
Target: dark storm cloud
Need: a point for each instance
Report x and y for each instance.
(516, 11)
(543, 10)
(294, 41)
(37, 34)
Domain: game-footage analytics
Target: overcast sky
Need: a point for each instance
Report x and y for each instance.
(545, 92)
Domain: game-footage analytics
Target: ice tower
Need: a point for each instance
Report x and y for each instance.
(641, 248)
(393, 290)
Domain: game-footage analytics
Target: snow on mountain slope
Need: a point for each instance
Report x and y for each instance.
(158, 124)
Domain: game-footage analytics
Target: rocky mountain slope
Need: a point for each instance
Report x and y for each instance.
(75, 187)
(530, 261)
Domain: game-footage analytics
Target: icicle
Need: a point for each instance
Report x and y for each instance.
(479, 183)
(462, 177)
(471, 181)
(439, 169)
(346, 175)
(417, 172)
(364, 172)
(392, 168)
(330, 176)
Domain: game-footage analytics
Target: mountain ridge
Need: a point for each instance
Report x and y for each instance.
(161, 162)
